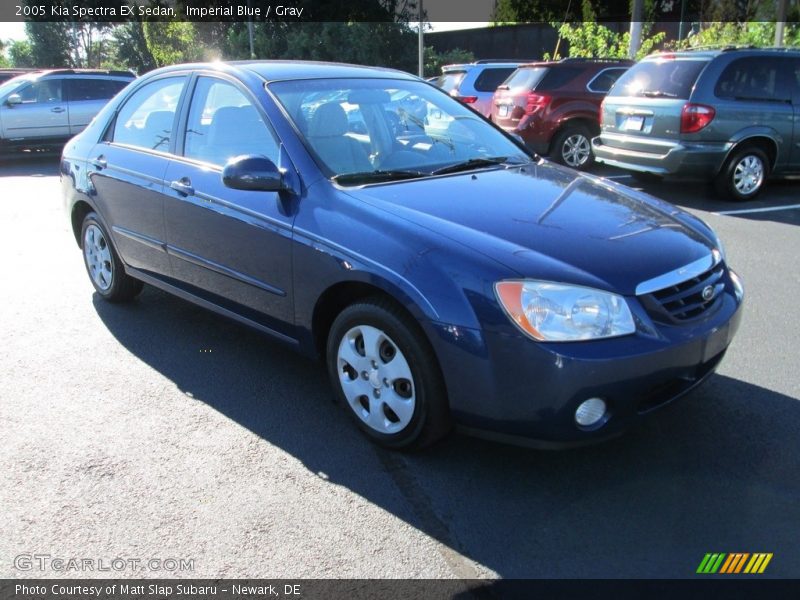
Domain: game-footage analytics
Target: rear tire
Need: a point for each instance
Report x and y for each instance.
(385, 373)
(105, 269)
(743, 176)
(572, 147)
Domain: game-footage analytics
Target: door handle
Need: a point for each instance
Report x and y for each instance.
(100, 163)
(58, 109)
(183, 186)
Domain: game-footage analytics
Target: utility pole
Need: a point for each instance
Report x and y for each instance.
(780, 23)
(421, 44)
(636, 28)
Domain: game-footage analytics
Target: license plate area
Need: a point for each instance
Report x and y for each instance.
(633, 123)
(502, 110)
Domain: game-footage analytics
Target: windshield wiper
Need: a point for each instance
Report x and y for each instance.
(472, 163)
(380, 175)
(657, 94)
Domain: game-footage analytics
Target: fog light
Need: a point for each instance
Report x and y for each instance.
(590, 412)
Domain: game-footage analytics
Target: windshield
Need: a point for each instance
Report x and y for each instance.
(659, 78)
(368, 130)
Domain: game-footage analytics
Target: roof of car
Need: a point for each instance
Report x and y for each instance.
(84, 72)
(276, 70)
(713, 51)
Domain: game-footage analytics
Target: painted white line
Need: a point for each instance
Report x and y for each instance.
(746, 211)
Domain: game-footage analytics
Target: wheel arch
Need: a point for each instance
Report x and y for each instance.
(80, 209)
(338, 296)
(759, 140)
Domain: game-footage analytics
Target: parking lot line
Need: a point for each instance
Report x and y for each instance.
(746, 211)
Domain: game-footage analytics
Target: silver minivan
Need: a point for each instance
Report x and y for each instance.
(731, 116)
(49, 107)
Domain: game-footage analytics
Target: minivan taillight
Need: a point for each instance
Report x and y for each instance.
(695, 116)
(536, 101)
(467, 99)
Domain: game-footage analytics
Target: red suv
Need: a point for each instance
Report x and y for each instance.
(554, 106)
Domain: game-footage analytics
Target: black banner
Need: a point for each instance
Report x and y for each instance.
(346, 589)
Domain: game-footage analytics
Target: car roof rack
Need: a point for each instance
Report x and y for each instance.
(595, 60)
(484, 61)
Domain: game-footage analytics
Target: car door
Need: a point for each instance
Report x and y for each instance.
(40, 114)
(86, 96)
(794, 81)
(128, 169)
(234, 246)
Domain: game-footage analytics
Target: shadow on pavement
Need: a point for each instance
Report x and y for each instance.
(24, 164)
(716, 472)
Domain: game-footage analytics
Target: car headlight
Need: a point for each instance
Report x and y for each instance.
(557, 312)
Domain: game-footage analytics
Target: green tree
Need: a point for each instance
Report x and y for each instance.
(592, 40)
(752, 33)
(131, 49)
(434, 61)
(20, 55)
(171, 42)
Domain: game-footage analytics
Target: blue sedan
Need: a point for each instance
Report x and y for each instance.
(443, 273)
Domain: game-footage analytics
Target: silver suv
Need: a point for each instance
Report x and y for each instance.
(731, 115)
(49, 107)
(474, 83)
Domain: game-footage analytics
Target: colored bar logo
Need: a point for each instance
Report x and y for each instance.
(737, 562)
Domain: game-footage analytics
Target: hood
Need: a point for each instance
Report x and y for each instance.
(548, 222)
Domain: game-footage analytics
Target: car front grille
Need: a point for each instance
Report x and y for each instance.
(689, 299)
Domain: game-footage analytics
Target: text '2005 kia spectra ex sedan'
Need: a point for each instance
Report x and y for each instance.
(445, 275)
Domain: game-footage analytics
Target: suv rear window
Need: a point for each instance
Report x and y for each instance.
(525, 78)
(490, 78)
(668, 78)
(754, 78)
(450, 80)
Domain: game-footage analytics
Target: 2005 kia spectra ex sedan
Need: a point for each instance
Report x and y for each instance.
(443, 273)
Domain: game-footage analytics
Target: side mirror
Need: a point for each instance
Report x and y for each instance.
(14, 99)
(253, 173)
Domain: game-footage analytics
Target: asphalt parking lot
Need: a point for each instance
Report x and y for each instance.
(159, 430)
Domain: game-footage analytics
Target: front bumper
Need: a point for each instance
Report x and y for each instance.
(662, 157)
(504, 385)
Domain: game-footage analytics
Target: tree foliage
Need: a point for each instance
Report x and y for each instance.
(753, 33)
(434, 61)
(19, 54)
(593, 40)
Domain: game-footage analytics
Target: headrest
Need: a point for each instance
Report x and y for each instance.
(329, 120)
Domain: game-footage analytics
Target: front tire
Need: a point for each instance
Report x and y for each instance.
(105, 269)
(386, 375)
(572, 147)
(743, 176)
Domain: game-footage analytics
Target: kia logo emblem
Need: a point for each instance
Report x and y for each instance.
(708, 292)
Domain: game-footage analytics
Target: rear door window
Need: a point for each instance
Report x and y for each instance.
(660, 78)
(490, 78)
(147, 118)
(80, 89)
(557, 78)
(754, 78)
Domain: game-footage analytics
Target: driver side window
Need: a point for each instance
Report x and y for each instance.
(224, 123)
